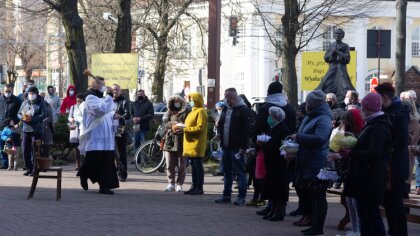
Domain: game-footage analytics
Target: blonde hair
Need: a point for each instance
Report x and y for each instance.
(413, 109)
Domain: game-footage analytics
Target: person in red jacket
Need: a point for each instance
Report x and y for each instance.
(68, 101)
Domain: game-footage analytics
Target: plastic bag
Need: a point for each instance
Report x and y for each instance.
(342, 140)
(260, 170)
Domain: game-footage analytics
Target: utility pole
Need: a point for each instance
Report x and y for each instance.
(213, 66)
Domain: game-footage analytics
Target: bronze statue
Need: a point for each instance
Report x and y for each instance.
(337, 80)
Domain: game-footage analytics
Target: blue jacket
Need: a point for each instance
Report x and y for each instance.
(313, 138)
(399, 116)
(40, 113)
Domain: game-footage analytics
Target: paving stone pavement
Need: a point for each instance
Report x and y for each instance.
(139, 207)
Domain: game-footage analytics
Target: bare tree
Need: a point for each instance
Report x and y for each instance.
(23, 41)
(401, 45)
(75, 41)
(300, 23)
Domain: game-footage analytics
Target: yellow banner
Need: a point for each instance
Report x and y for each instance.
(314, 69)
(117, 68)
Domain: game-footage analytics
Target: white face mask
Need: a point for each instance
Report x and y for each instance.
(32, 97)
(7, 94)
(103, 89)
(177, 105)
(347, 101)
(219, 112)
(71, 92)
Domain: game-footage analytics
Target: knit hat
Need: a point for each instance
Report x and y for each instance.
(315, 98)
(277, 113)
(33, 90)
(275, 87)
(372, 102)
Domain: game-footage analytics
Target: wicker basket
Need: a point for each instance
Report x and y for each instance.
(44, 163)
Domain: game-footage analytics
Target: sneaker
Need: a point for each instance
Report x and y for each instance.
(222, 200)
(170, 188)
(252, 203)
(260, 203)
(239, 201)
(178, 188)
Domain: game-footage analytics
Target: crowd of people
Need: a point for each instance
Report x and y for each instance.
(375, 171)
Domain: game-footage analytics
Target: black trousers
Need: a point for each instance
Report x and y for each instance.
(396, 214)
(197, 172)
(99, 166)
(27, 140)
(370, 218)
(121, 144)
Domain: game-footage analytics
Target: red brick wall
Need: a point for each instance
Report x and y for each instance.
(412, 80)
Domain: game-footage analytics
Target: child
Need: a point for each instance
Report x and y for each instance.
(11, 138)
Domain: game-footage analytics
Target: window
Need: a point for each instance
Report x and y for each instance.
(241, 41)
(415, 42)
(328, 36)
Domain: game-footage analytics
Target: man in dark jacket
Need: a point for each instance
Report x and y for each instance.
(335, 109)
(32, 112)
(234, 132)
(399, 116)
(275, 98)
(142, 112)
(122, 114)
(9, 107)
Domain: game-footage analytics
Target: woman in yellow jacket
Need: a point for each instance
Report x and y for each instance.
(195, 140)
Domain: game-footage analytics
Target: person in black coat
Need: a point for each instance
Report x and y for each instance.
(9, 107)
(123, 115)
(398, 113)
(275, 97)
(276, 181)
(142, 112)
(367, 176)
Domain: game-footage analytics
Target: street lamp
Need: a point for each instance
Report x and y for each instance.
(108, 16)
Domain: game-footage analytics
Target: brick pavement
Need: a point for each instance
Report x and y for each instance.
(139, 207)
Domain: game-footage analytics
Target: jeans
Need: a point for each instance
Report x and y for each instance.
(197, 172)
(4, 159)
(139, 138)
(27, 140)
(396, 214)
(230, 165)
(418, 171)
(370, 219)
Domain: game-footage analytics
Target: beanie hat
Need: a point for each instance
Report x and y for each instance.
(372, 102)
(277, 113)
(275, 87)
(315, 98)
(33, 90)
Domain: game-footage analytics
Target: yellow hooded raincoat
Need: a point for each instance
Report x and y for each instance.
(195, 132)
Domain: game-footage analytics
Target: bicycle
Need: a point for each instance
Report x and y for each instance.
(149, 157)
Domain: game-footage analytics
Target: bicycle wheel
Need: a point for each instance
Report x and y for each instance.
(149, 157)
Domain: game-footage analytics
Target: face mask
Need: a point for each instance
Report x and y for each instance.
(32, 97)
(347, 101)
(71, 92)
(329, 103)
(219, 112)
(7, 94)
(177, 105)
(271, 121)
(51, 93)
(192, 103)
(103, 89)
